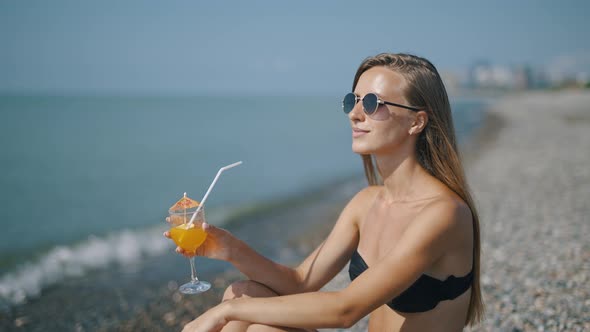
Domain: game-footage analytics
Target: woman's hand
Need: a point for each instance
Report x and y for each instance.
(211, 321)
(218, 245)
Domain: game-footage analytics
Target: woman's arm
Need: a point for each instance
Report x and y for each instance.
(319, 267)
(429, 236)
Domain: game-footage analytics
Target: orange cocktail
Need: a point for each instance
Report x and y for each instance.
(188, 236)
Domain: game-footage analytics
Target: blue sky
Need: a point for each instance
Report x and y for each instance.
(268, 47)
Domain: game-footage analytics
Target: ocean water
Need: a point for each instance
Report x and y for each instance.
(85, 182)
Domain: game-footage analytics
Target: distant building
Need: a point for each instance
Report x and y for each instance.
(523, 77)
(477, 73)
(485, 75)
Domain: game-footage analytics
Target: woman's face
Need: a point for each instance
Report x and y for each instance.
(389, 127)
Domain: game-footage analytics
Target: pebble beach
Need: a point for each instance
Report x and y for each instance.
(532, 186)
(528, 171)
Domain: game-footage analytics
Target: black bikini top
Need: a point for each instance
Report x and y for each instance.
(424, 294)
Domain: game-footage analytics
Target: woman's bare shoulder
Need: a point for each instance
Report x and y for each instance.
(370, 190)
(366, 196)
(358, 206)
(448, 211)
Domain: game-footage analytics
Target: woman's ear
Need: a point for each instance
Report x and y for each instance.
(419, 123)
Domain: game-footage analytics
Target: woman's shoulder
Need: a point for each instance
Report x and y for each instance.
(448, 211)
(446, 202)
(449, 201)
(446, 224)
(362, 202)
(366, 195)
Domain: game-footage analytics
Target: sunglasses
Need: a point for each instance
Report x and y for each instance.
(370, 103)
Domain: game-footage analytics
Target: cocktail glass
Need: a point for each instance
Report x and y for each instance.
(188, 237)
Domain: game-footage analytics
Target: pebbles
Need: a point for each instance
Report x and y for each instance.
(532, 186)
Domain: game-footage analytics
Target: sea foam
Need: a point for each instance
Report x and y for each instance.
(124, 248)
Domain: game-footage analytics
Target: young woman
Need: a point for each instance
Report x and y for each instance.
(411, 236)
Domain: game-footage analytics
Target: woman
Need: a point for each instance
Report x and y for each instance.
(411, 236)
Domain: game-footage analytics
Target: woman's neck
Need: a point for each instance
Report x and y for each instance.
(404, 179)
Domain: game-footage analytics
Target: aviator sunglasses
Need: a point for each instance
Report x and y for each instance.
(370, 103)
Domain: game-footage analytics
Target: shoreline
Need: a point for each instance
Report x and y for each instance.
(510, 143)
(145, 297)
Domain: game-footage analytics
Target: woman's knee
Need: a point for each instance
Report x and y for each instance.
(247, 288)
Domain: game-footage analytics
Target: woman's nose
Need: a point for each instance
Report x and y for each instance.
(357, 113)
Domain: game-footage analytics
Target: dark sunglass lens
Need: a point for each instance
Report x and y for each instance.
(348, 102)
(370, 103)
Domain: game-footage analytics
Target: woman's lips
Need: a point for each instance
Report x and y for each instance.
(356, 132)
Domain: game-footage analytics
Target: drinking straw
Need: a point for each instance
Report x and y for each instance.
(211, 187)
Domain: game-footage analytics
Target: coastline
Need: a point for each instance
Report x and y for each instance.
(529, 156)
(145, 296)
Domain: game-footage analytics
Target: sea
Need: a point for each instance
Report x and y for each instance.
(86, 181)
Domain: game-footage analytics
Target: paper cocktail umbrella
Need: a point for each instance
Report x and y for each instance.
(184, 203)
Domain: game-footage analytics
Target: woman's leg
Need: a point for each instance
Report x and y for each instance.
(248, 288)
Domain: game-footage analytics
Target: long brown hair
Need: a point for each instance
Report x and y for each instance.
(436, 147)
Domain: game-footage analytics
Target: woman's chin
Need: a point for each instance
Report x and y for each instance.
(361, 148)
